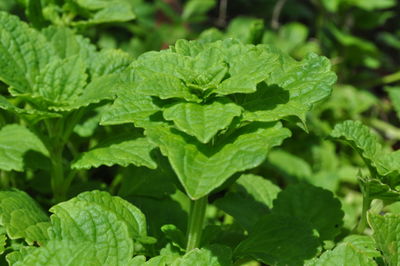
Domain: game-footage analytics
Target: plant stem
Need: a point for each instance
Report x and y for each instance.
(57, 176)
(196, 223)
(362, 224)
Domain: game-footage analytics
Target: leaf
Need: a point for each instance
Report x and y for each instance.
(202, 121)
(250, 199)
(61, 81)
(279, 240)
(115, 11)
(23, 53)
(66, 43)
(353, 250)
(15, 142)
(387, 236)
(121, 152)
(130, 107)
(62, 252)
(201, 168)
(109, 224)
(293, 87)
(215, 255)
(2, 243)
(22, 217)
(313, 205)
(109, 61)
(383, 166)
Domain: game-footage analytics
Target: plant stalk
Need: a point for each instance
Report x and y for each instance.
(196, 222)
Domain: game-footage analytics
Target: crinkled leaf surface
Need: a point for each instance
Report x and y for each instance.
(354, 250)
(279, 240)
(387, 236)
(23, 53)
(202, 168)
(59, 252)
(22, 217)
(382, 165)
(202, 121)
(120, 152)
(15, 142)
(251, 198)
(61, 81)
(311, 204)
(291, 89)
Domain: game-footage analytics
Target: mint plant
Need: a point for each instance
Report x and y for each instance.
(54, 78)
(215, 109)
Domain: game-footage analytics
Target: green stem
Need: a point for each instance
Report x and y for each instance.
(362, 224)
(196, 223)
(57, 176)
(4, 180)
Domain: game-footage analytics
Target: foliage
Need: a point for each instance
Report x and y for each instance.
(199, 132)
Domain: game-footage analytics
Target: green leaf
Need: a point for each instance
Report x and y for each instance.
(110, 224)
(16, 142)
(382, 165)
(115, 11)
(22, 217)
(109, 61)
(3, 239)
(130, 107)
(215, 255)
(250, 198)
(201, 168)
(23, 53)
(58, 252)
(31, 115)
(66, 43)
(313, 205)
(202, 121)
(353, 250)
(292, 89)
(279, 240)
(119, 152)
(61, 81)
(387, 236)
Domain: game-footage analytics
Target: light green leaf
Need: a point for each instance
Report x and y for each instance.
(354, 250)
(130, 107)
(23, 53)
(250, 198)
(120, 152)
(110, 224)
(3, 239)
(292, 89)
(313, 205)
(61, 81)
(215, 255)
(387, 236)
(66, 43)
(58, 252)
(289, 165)
(16, 141)
(109, 61)
(196, 8)
(279, 240)
(29, 114)
(382, 165)
(115, 12)
(22, 217)
(202, 120)
(201, 168)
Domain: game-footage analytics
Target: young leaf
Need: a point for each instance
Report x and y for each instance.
(387, 236)
(23, 53)
(202, 121)
(215, 255)
(21, 217)
(279, 240)
(15, 142)
(201, 168)
(313, 205)
(120, 152)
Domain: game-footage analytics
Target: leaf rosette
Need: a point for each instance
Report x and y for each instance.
(214, 108)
